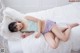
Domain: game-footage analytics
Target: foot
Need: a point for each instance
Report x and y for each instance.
(73, 25)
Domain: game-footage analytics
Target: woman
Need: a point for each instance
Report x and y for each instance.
(52, 33)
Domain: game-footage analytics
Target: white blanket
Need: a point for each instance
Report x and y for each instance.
(62, 15)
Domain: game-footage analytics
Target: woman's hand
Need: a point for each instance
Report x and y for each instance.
(37, 34)
(24, 35)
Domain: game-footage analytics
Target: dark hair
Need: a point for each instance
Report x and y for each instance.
(12, 27)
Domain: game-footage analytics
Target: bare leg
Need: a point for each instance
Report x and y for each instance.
(63, 36)
(63, 29)
(52, 41)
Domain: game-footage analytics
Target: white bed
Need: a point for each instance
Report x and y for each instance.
(62, 15)
(65, 14)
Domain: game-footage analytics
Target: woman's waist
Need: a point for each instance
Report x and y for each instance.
(45, 24)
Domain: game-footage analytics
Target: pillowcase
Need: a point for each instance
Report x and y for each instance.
(10, 15)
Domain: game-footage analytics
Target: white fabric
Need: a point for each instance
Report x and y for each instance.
(1, 9)
(62, 15)
(8, 18)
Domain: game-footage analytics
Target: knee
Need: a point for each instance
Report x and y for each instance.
(65, 39)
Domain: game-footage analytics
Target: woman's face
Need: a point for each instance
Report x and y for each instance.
(19, 26)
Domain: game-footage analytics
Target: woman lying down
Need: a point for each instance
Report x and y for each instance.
(52, 33)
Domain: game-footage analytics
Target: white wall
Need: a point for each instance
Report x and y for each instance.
(34, 5)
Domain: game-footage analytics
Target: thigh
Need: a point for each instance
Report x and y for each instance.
(50, 39)
(63, 28)
(57, 31)
(49, 34)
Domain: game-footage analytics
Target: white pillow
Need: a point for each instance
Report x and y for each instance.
(10, 15)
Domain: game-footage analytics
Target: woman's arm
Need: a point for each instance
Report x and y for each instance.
(24, 35)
